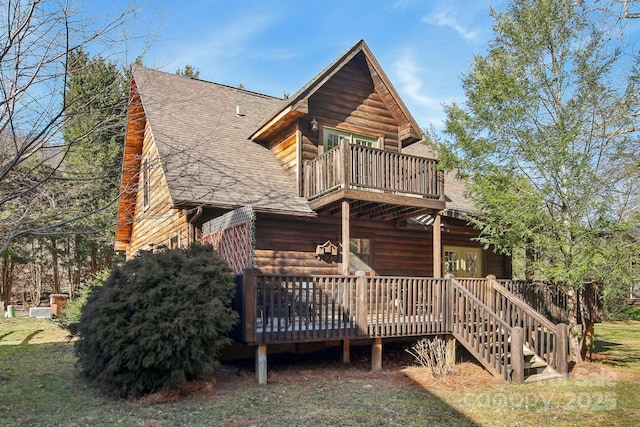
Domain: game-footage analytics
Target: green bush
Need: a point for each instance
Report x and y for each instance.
(70, 314)
(157, 322)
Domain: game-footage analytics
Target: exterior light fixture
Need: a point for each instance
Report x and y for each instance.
(313, 124)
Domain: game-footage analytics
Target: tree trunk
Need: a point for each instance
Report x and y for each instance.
(7, 278)
(54, 262)
(588, 330)
(575, 346)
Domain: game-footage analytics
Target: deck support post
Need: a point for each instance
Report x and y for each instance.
(346, 351)
(561, 346)
(261, 364)
(517, 355)
(361, 304)
(345, 236)
(376, 354)
(437, 247)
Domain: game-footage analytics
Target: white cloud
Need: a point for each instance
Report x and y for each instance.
(447, 18)
(210, 47)
(409, 75)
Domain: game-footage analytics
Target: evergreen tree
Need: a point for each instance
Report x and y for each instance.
(188, 71)
(547, 138)
(97, 93)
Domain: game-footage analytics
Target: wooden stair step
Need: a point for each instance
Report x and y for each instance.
(544, 376)
(536, 363)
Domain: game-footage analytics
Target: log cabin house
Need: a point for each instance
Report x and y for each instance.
(333, 215)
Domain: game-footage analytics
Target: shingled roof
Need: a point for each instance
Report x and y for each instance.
(201, 133)
(458, 202)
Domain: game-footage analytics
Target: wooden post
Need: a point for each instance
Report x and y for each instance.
(517, 355)
(561, 346)
(346, 351)
(345, 236)
(361, 305)
(249, 305)
(261, 364)
(345, 147)
(449, 307)
(299, 163)
(376, 354)
(490, 293)
(437, 246)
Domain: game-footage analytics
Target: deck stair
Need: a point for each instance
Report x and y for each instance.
(491, 334)
(536, 368)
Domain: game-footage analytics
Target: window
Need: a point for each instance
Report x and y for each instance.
(462, 262)
(174, 243)
(146, 171)
(332, 138)
(360, 255)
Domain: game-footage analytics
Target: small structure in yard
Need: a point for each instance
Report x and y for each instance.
(40, 312)
(334, 216)
(57, 303)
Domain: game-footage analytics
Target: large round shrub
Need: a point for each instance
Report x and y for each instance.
(157, 322)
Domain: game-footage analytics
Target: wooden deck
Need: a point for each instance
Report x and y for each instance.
(482, 314)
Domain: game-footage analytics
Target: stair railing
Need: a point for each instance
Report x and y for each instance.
(545, 338)
(483, 332)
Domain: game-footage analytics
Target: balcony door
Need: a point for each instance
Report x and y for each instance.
(462, 261)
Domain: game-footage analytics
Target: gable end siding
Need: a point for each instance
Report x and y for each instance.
(157, 223)
(349, 101)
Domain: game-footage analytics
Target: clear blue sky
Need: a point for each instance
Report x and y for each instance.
(276, 46)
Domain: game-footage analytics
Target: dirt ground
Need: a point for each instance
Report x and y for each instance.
(399, 369)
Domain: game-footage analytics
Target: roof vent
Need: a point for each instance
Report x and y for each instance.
(238, 113)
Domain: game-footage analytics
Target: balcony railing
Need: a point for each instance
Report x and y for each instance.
(350, 166)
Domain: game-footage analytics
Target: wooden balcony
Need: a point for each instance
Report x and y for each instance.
(380, 183)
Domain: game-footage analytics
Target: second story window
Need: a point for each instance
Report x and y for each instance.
(332, 138)
(146, 171)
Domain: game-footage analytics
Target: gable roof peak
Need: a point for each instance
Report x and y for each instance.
(297, 105)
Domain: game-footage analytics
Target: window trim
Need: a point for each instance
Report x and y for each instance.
(146, 181)
(349, 135)
(462, 256)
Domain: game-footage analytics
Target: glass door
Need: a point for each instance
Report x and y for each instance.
(462, 261)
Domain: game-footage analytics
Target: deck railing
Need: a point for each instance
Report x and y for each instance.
(284, 308)
(481, 313)
(550, 299)
(350, 166)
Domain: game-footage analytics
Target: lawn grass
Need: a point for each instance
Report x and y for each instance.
(39, 386)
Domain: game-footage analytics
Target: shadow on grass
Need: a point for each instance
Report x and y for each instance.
(399, 399)
(30, 336)
(3, 336)
(617, 354)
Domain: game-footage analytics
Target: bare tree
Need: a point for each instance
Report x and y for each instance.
(626, 13)
(37, 38)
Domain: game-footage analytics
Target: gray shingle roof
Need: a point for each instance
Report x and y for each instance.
(204, 148)
(455, 189)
